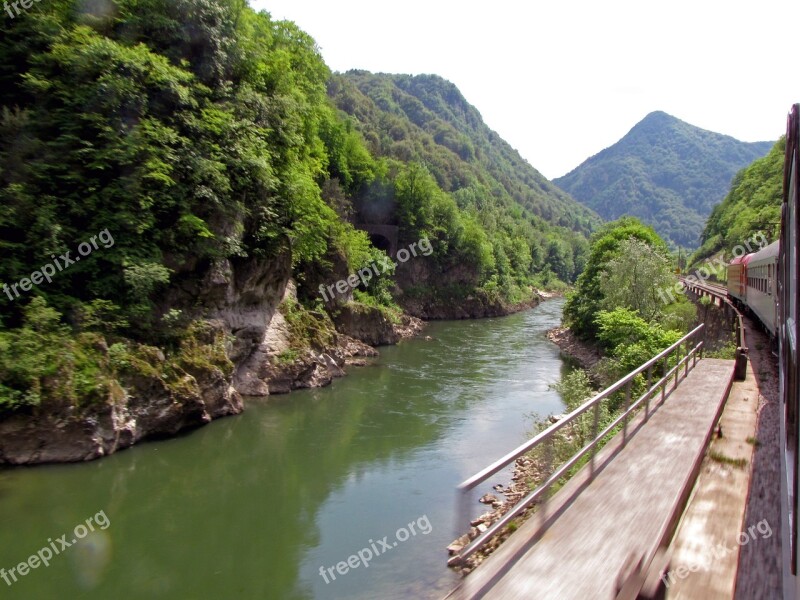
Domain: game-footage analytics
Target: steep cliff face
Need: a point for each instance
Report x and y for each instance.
(431, 291)
(145, 407)
(255, 334)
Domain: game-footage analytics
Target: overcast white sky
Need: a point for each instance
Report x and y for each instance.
(560, 80)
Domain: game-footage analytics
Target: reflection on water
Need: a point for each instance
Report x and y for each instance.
(253, 506)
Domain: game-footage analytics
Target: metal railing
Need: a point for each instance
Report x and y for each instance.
(691, 349)
(733, 313)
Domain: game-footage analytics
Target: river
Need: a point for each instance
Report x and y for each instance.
(252, 506)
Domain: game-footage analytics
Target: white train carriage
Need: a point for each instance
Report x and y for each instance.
(761, 291)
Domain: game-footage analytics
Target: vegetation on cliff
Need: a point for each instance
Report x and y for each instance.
(531, 226)
(752, 205)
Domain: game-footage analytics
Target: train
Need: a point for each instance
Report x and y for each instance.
(752, 284)
(764, 283)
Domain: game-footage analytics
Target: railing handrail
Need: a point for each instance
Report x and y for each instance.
(465, 487)
(501, 463)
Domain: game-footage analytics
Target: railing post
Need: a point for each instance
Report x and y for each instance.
(627, 406)
(595, 431)
(463, 511)
(686, 365)
(548, 469)
(677, 366)
(647, 391)
(666, 382)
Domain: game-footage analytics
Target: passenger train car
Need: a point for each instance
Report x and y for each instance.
(752, 285)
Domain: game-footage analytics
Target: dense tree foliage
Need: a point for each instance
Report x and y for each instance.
(631, 340)
(666, 172)
(634, 278)
(617, 304)
(753, 205)
(607, 245)
(426, 118)
(191, 131)
(530, 224)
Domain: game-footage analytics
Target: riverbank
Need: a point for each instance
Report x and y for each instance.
(144, 403)
(583, 353)
(294, 348)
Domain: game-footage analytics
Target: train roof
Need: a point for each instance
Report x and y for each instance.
(768, 252)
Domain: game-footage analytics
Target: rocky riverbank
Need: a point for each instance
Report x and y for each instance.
(528, 472)
(585, 354)
(254, 339)
(264, 342)
(472, 306)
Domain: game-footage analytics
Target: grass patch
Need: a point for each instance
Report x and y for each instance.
(738, 463)
(753, 441)
(287, 357)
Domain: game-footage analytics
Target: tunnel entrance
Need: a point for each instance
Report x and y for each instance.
(381, 242)
(383, 237)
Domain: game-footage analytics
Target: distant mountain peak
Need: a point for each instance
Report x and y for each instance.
(658, 116)
(666, 172)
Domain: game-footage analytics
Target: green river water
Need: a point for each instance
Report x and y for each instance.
(252, 506)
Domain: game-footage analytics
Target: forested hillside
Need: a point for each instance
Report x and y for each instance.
(752, 205)
(425, 120)
(666, 172)
(176, 191)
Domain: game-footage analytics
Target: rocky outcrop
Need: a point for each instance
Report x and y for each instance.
(372, 326)
(237, 301)
(430, 290)
(475, 306)
(585, 354)
(313, 369)
(147, 407)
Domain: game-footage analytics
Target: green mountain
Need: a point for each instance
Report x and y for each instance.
(752, 206)
(426, 118)
(666, 172)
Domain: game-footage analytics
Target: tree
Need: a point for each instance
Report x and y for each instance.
(559, 257)
(414, 190)
(587, 299)
(634, 277)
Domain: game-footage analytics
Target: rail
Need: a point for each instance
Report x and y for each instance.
(691, 350)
